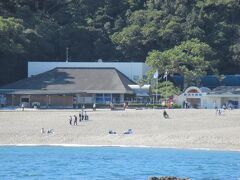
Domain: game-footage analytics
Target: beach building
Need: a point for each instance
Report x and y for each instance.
(133, 70)
(228, 96)
(194, 97)
(71, 84)
(69, 87)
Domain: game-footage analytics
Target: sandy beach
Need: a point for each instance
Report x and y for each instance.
(186, 128)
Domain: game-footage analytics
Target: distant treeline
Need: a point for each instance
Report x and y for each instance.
(121, 30)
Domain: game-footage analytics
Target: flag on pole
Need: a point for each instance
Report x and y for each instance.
(155, 75)
(165, 74)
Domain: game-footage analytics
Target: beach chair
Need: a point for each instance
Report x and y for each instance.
(111, 132)
(128, 132)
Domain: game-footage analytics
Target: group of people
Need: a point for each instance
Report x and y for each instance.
(186, 105)
(73, 120)
(220, 111)
(49, 131)
(129, 131)
(227, 106)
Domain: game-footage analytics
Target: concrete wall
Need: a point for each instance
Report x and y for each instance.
(61, 101)
(13, 100)
(57, 101)
(85, 99)
(42, 99)
(133, 70)
(211, 102)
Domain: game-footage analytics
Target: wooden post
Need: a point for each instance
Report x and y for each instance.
(30, 101)
(47, 100)
(12, 99)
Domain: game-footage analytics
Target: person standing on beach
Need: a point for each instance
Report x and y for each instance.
(75, 120)
(70, 120)
(80, 117)
(22, 106)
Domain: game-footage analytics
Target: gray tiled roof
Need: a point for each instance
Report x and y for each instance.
(72, 80)
(230, 90)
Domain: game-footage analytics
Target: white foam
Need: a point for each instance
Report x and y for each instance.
(121, 146)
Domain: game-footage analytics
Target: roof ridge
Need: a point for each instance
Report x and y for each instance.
(85, 68)
(120, 74)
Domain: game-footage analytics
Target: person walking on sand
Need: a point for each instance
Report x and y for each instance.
(70, 120)
(75, 120)
(22, 106)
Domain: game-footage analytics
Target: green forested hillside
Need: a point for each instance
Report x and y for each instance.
(124, 30)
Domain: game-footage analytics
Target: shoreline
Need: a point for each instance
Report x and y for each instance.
(118, 146)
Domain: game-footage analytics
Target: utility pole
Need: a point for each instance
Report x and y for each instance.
(67, 54)
(156, 89)
(155, 76)
(165, 75)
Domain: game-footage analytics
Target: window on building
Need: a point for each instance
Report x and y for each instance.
(99, 98)
(103, 98)
(25, 100)
(107, 98)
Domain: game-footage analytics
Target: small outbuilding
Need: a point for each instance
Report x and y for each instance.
(225, 96)
(222, 96)
(193, 97)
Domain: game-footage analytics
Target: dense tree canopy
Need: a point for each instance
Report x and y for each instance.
(166, 89)
(189, 59)
(124, 30)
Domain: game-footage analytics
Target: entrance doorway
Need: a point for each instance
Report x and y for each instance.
(25, 100)
(116, 98)
(194, 102)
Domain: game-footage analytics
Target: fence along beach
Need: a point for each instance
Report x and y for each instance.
(186, 128)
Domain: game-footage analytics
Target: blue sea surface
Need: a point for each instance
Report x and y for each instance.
(113, 163)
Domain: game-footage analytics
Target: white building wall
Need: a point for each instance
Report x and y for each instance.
(180, 99)
(133, 70)
(206, 101)
(219, 101)
(210, 102)
(239, 102)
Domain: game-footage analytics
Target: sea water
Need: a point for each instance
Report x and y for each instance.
(113, 163)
